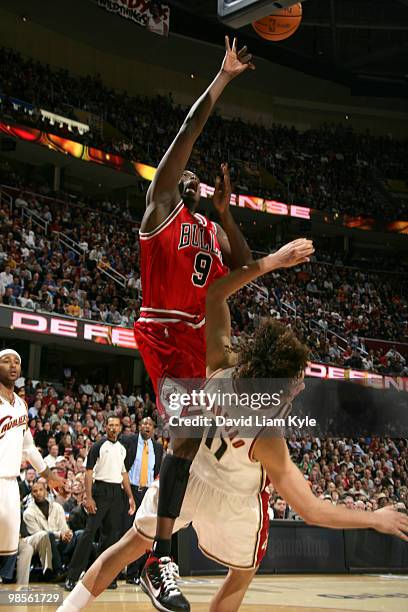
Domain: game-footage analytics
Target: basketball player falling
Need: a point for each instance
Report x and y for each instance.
(226, 498)
(181, 254)
(16, 444)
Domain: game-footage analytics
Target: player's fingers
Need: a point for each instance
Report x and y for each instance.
(227, 43)
(306, 248)
(246, 59)
(217, 182)
(304, 253)
(234, 44)
(302, 260)
(401, 535)
(404, 523)
(242, 51)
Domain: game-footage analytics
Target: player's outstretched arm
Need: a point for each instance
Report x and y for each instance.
(218, 320)
(289, 482)
(164, 188)
(234, 247)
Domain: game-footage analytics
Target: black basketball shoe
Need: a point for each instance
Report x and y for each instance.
(158, 581)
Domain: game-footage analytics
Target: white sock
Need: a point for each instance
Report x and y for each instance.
(78, 599)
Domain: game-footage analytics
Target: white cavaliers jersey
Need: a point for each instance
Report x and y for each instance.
(224, 458)
(13, 425)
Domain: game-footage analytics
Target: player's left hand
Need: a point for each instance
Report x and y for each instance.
(132, 506)
(236, 62)
(222, 193)
(55, 481)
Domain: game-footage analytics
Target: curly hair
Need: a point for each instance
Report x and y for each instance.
(272, 352)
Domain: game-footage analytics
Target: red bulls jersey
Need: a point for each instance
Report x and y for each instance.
(179, 260)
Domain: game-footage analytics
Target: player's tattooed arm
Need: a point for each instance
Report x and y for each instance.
(164, 190)
(234, 247)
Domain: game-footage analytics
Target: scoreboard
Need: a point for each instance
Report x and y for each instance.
(238, 13)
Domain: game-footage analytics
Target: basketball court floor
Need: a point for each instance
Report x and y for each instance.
(306, 593)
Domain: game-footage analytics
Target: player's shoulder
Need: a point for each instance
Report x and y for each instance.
(159, 216)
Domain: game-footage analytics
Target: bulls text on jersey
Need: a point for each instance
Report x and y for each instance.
(195, 235)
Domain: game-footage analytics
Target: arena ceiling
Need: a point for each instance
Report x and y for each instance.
(361, 43)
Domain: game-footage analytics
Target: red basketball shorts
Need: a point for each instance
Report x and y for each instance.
(176, 350)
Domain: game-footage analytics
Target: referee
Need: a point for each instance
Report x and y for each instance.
(104, 500)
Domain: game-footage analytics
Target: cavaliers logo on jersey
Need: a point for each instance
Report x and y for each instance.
(7, 423)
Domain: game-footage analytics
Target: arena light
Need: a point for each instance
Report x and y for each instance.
(239, 13)
(145, 171)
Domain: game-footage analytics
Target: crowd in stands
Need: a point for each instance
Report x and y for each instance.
(333, 303)
(331, 168)
(40, 272)
(363, 474)
(332, 306)
(68, 417)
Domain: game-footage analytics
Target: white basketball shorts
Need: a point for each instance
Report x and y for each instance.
(231, 529)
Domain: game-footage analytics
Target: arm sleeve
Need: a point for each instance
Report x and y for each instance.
(31, 454)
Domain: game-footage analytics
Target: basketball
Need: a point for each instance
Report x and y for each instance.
(279, 26)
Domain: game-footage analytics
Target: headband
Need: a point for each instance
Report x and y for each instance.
(9, 352)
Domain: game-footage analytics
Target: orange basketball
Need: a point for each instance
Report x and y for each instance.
(281, 25)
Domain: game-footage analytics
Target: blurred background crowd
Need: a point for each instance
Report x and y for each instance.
(78, 256)
(334, 304)
(331, 168)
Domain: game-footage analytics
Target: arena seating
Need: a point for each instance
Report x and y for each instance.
(330, 168)
(366, 472)
(82, 261)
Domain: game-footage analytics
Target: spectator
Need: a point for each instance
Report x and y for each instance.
(51, 458)
(47, 517)
(143, 460)
(279, 508)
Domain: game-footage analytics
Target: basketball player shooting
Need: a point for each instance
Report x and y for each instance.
(16, 444)
(227, 498)
(182, 253)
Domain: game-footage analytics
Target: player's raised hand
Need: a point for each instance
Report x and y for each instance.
(389, 520)
(236, 62)
(294, 253)
(222, 193)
